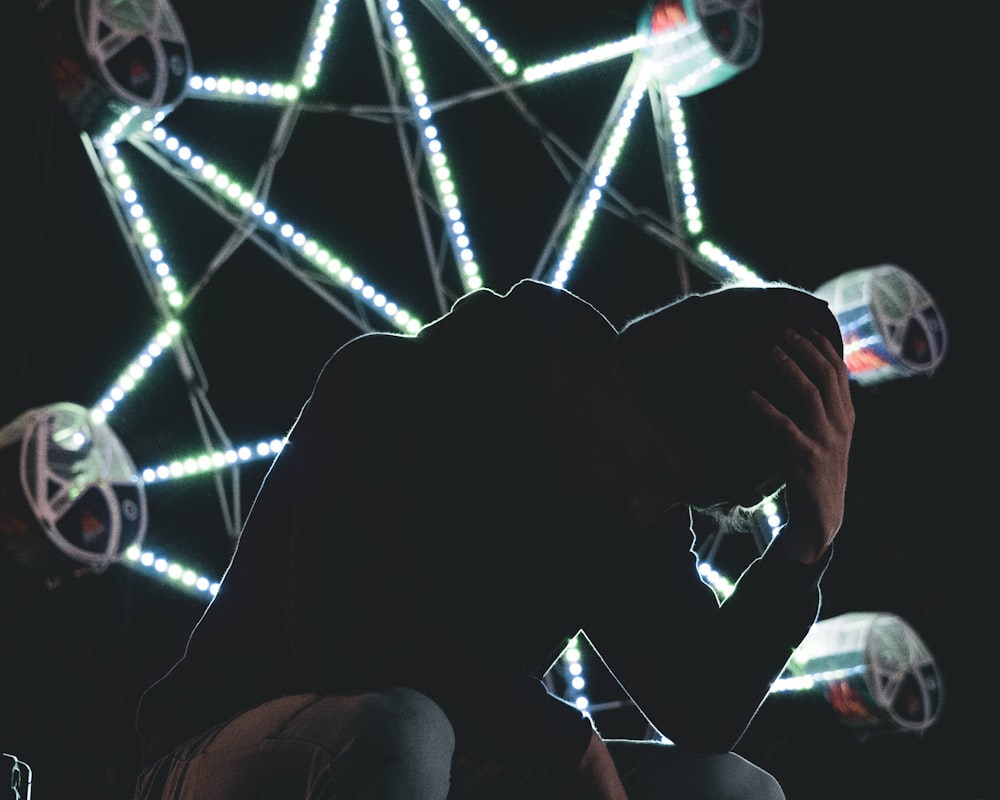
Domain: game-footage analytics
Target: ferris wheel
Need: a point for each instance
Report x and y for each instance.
(131, 81)
(126, 73)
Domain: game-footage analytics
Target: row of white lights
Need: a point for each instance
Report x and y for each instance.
(135, 371)
(444, 183)
(812, 680)
(147, 240)
(609, 158)
(585, 58)
(143, 232)
(572, 657)
(242, 88)
(321, 27)
(685, 167)
(172, 572)
(480, 35)
(190, 466)
(739, 271)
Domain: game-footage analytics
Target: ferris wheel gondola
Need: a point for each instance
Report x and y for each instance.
(695, 45)
(116, 65)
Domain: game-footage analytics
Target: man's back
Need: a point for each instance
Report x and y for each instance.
(415, 502)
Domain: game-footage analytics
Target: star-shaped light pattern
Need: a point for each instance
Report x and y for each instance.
(237, 199)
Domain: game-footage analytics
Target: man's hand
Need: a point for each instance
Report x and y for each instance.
(816, 450)
(595, 777)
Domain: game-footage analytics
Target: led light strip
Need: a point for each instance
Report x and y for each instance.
(322, 27)
(171, 572)
(571, 655)
(740, 272)
(723, 586)
(275, 92)
(143, 233)
(208, 462)
(242, 89)
(135, 372)
(685, 168)
(147, 241)
(805, 683)
(612, 150)
(482, 37)
(774, 521)
(692, 213)
(210, 176)
(123, 125)
(585, 58)
(444, 184)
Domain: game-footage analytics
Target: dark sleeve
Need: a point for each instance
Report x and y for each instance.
(354, 468)
(699, 670)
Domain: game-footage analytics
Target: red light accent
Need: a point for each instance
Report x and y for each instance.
(847, 702)
(861, 360)
(667, 16)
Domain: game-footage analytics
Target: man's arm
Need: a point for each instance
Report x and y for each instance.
(595, 777)
(816, 450)
(718, 662)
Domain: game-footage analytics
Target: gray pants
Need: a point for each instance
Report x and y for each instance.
(398, 745)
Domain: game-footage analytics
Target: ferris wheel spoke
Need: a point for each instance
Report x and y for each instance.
(59, 502)
(889, 685)
(895, 333)
(112, 44)
(163, 27)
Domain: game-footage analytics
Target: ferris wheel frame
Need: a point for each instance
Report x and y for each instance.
(450, 258)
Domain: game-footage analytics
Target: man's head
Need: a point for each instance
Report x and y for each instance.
(694, 362)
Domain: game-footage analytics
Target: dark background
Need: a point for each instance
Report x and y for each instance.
(858, 138)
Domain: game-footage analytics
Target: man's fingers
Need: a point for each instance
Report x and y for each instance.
(823, 368)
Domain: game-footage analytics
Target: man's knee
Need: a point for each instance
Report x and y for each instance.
(410, 720)
(409, 735)
(739, 779)
(392, 743)
(654, 770)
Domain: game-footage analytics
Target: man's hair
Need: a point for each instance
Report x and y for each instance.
(696, 359)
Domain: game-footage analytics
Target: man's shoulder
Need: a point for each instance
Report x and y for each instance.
(370, 360)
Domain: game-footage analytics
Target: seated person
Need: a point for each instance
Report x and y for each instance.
(453, 506)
